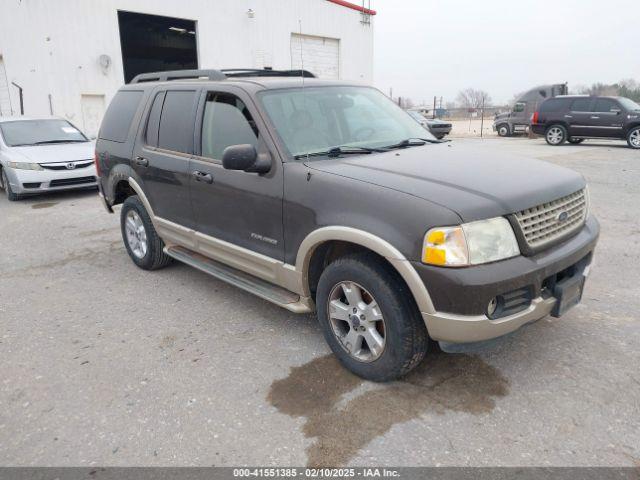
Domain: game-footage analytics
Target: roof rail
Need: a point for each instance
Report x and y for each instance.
(253, 72)
(217, 74)
(178, 75)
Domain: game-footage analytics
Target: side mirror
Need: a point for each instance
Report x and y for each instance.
(246, 158)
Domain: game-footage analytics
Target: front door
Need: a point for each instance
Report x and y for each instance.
(607, 118)
(163, 154)
(241, 208)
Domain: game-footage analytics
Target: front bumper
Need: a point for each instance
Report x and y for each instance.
(460, 296)
(40, 181)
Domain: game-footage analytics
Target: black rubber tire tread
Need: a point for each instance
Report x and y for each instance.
(12, 197)
(508, 130)
(564, 130)
(155, 257)
(629, 137)
(406, 336)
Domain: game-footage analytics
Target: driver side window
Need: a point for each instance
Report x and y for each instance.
(226, 122)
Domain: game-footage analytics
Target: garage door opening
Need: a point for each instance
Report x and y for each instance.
(151, 43)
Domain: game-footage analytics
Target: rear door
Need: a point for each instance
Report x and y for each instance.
(163, 153)
(607, 118)
(579, 117)
(244, 209)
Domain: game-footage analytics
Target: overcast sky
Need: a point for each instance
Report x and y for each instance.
(438, 47)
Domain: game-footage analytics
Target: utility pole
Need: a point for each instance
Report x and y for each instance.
(434, 106)
(482, 119)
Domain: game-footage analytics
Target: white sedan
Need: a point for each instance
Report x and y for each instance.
(43, 154)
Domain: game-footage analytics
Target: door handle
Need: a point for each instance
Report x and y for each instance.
(568, 116)
(594, 117)
(143, 162)
(203, 177)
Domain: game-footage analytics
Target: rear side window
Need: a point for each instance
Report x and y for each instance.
(606, 105)
(153, 124)
(176, 122)
(226, 122)
(117, 120)
(581, 105)
(553, 105)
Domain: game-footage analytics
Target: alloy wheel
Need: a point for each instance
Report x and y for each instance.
(357, 321)
(634, 138)
(136, 234)
(555, 135)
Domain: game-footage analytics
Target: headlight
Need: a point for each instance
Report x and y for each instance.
(25, 166)
(470, 243)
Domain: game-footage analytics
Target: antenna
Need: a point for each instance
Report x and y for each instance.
(301, 54)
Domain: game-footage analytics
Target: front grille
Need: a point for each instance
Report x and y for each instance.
(63, 165)
(65, 182)
(552, 221)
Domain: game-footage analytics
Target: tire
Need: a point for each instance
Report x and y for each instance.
(576, 141)
(12, 197)
(556, 135)
(405, 339)
(633, 137)
(503, 130)
(147, 252)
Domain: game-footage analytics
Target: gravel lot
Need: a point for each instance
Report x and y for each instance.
(105, 364)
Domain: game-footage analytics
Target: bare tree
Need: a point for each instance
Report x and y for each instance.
(472, 98)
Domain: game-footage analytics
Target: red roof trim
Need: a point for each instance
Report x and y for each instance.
(353, 6)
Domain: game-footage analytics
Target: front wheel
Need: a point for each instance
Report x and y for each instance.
(633, 138)
(556, 135)
(12, 197)
(143, 244)
(503, 130)
(369, 318)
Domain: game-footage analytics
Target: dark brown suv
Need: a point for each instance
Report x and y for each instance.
(576, 118)
(325, 196)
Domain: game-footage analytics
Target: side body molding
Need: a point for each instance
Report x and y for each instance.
(372, 242)
(293, 278)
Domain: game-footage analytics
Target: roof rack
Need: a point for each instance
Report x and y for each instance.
(266, 72)
(217, 74)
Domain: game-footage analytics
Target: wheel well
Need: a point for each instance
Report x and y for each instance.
(330, 251)
(122, 191)
(562, 124)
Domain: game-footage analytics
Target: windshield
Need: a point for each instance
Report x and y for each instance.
(318, 119)
(629, 104)
(40, 132)
(417, 116)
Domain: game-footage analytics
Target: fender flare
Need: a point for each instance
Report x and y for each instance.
(371, 242)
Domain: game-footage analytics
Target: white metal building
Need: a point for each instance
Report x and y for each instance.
(70, 56)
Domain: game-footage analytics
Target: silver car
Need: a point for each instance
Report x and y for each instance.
(43, 154)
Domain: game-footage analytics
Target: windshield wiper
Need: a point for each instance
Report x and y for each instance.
(337, 151)
(44, 142)
(411, 142)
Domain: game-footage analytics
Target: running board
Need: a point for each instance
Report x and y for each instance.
(261, 288)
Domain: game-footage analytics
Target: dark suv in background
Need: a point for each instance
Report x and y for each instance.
(325, 196)
(576, 118)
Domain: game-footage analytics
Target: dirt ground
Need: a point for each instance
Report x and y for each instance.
(106, 364)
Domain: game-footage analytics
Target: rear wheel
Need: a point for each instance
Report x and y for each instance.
(369, 318)
(503, 130)
(556, 135)
(633, 138)
(576, 141)
(12, 197)
(143, 244)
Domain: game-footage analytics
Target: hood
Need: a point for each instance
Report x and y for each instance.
(61, 152)
(502, 116)
(476, 183)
